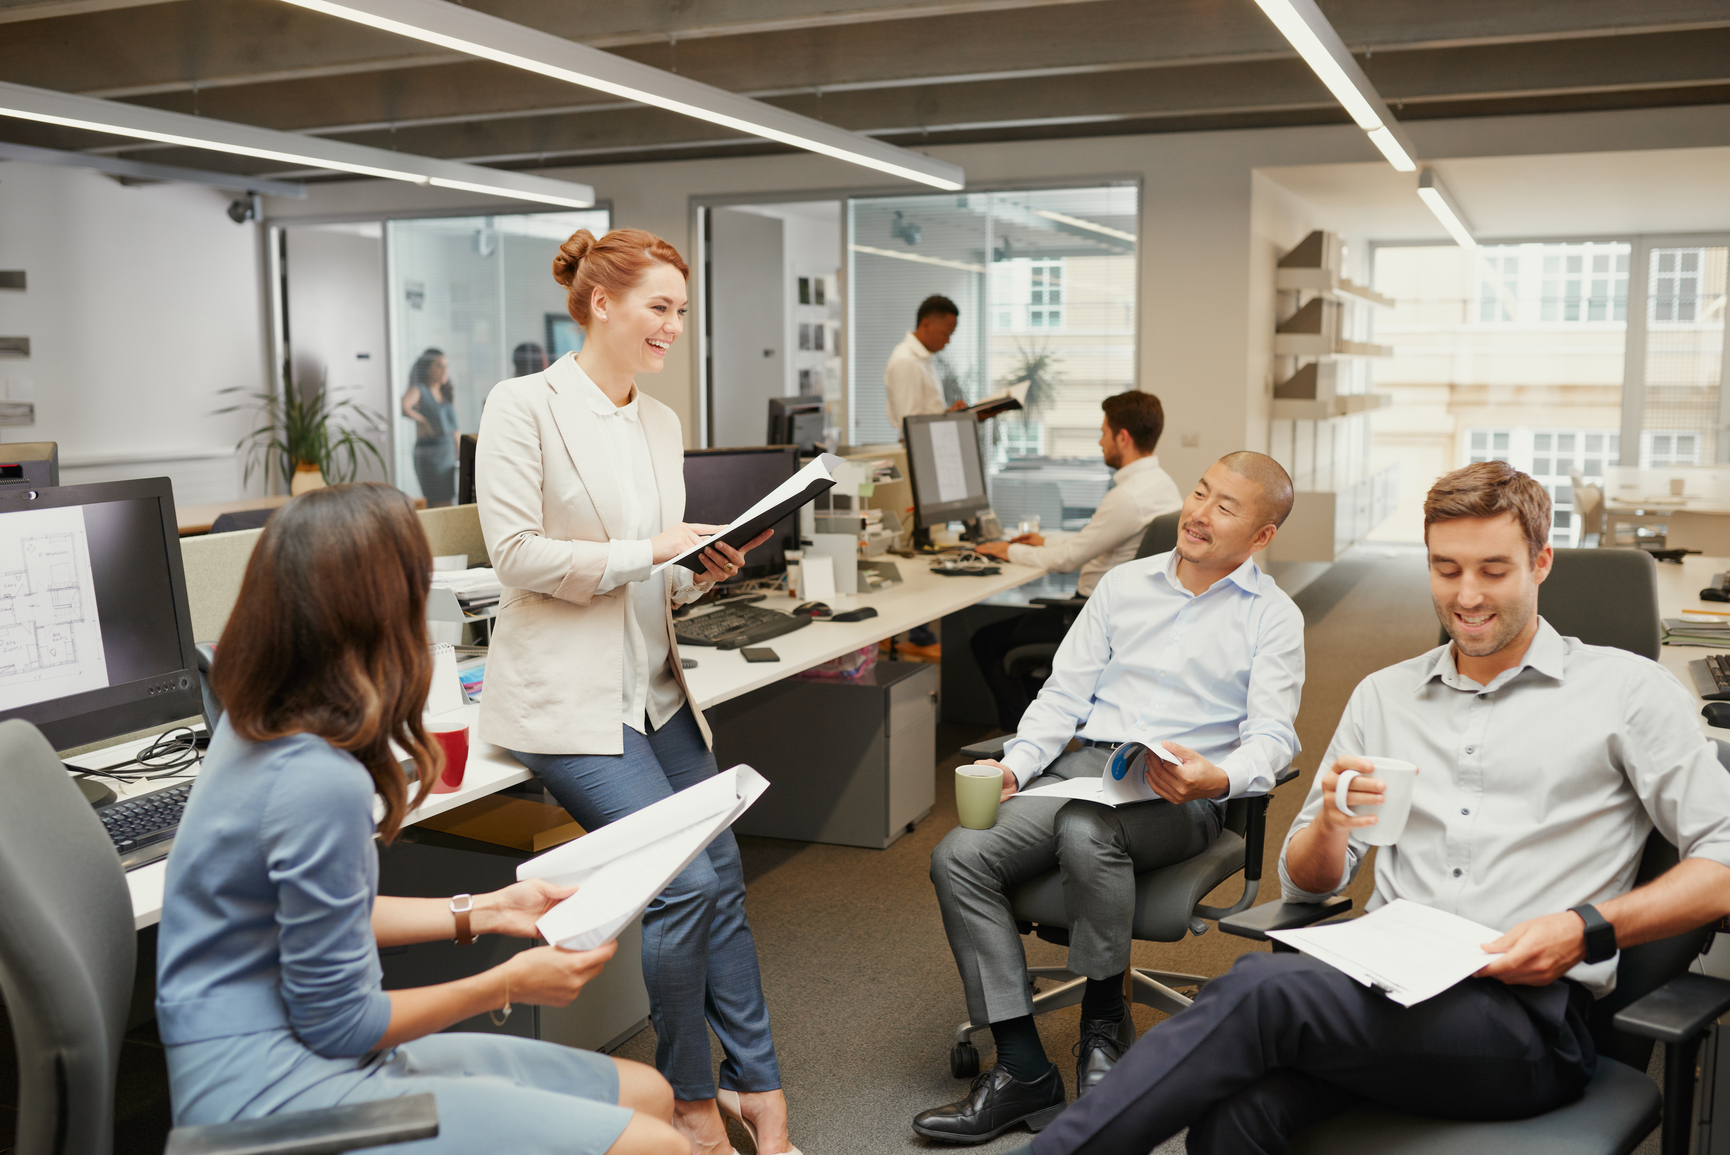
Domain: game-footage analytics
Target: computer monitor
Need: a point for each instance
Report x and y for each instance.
(95, 635)
(946, 469)
(26, 463)
(466, 444)
(720, 484)
(796, 421)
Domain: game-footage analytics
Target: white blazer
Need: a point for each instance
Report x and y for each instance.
(547, 494)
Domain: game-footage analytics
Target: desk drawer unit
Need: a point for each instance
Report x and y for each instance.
(850, 763)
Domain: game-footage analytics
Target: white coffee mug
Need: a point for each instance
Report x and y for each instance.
(1398, 777)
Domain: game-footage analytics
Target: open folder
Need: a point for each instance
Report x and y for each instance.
(1124, 780)
(802, 487)
(620, 868)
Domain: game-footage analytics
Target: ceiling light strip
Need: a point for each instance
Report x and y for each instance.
(514, 45)
(154, 124)
(918, 259)
(1308, 31)
(1433, 194)
(1080, 223)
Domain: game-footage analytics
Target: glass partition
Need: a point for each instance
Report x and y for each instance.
(471, 302)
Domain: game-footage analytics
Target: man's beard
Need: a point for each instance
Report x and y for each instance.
(1507, 628)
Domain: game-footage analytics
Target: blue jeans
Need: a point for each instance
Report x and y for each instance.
(699, 959)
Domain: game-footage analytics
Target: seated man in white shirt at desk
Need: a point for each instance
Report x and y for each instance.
(1543, 764)
(1196, 645)
(1140, 491)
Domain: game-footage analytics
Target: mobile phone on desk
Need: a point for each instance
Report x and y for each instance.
(759, 654)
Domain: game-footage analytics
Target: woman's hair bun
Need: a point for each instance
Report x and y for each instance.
(571, 254)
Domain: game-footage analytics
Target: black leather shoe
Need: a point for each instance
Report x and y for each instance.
(995, 1103)
(1103, 1042)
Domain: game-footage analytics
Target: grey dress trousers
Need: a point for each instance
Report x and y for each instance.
(1100, 849)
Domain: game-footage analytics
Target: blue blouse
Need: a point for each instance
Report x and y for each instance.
(267, 913)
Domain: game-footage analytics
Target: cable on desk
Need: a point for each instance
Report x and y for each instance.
(179, 746)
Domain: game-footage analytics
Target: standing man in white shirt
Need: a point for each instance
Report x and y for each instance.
(1543, 765)
(910, 388)
(1197, 645)
(1140, 491)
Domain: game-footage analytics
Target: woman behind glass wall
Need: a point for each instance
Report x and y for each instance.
(429, 404)
(581, 491)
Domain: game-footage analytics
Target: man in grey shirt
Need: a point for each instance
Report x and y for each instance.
(1543, 766)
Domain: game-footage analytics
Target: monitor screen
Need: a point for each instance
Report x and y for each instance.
(95, 634)
(946, 468)
(720, 484)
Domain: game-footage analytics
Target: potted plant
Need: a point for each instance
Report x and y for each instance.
(299, 432)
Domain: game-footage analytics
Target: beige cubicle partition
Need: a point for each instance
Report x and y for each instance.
(216, 562)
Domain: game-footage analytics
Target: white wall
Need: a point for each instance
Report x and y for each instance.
(1195, 239)
(143, 302)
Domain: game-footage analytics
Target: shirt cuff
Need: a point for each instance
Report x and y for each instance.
(1022, 757)
(685, 586)
(627, 561)
(1020, 553)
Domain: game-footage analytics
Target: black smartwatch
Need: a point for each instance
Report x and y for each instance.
(1600, 935)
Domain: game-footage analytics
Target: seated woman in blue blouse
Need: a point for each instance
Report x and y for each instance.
(269, 995)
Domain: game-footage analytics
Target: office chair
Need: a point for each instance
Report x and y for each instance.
(1012, 500)
(67, 948)
(1167, 906)
(1031, 664)
(1656, 1000)
(1604, 597)
(243, 519)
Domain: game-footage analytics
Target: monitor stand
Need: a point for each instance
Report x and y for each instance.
(95, 793)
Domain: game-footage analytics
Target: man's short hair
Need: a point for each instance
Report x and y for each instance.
(1490, 489)
(1275, 482)
(1138, 414)
(935, 304)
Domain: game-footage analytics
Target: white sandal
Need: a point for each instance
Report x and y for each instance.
(728, 1102)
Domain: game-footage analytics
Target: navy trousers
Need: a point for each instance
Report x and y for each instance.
(699, 959)
(1282, 1041)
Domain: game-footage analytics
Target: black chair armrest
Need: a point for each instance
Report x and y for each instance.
(1255, 831)
(1676, 1011)
(327, 1131)
(989, 748)
(1071, 603)
(1258, 920)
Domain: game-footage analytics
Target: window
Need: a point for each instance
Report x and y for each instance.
(1676, 284)
(1018, 439)
(1660, 449)
(1499, 286)
(1045, 280)
(1551, 284)
(1683, 366)
(1551, 457)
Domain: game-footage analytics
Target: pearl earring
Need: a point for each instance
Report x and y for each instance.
(602, 316)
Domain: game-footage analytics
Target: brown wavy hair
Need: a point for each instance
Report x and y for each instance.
(328, 636)
(1490, 489)
(615, 263)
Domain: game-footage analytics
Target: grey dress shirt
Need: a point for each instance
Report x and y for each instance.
(1534, 793)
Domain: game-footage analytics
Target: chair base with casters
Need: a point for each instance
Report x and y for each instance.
(1168, 906)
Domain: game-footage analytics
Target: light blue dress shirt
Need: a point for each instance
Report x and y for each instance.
(1220, 672)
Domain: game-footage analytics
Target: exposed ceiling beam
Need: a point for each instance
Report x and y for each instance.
(15, 11)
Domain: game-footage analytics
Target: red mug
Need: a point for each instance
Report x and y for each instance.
(453, 737)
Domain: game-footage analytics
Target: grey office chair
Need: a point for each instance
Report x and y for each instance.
(1604, 597)
(242, 519)
(66, 972)
(1656, 1000)
(1012, 500)
(1031, 663)
(1168, 906)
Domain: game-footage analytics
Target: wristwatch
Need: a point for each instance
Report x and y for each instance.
(461, 906)
(1600, 935)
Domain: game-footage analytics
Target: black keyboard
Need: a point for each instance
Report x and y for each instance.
(1712, 676)
(736, 625)
(143, 827)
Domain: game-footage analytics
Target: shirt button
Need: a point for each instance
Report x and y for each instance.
(1463, 810)
(1471, 749)
(1458, 872)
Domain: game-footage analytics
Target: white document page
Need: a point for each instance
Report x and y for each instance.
(50, 631)
(1411, 951)
(1107, 789)
(817, 470)
(946, 453)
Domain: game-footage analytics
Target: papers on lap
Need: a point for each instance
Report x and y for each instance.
(1124, 780)
(620, 868)
(797, 490)
(1410, 951)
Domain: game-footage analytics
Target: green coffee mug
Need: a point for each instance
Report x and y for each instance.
(977, 792)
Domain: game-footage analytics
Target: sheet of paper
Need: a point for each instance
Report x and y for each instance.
(946, 454)
(1091, 789)
(620, 868)
(818, 469)
(1111, 788)
(816, 577)
(1411, 951)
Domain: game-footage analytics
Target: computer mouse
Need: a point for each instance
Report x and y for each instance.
(1716, 714)
(1714, 594)
(814, 610)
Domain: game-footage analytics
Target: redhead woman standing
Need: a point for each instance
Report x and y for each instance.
(581, 491)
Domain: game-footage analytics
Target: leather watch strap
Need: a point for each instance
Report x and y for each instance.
(461, 906)
(1600, 935)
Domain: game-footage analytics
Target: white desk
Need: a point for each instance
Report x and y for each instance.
(720, 675)
(1679, 589)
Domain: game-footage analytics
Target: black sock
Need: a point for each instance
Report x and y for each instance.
(1019, 1050)
(1103, 999)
